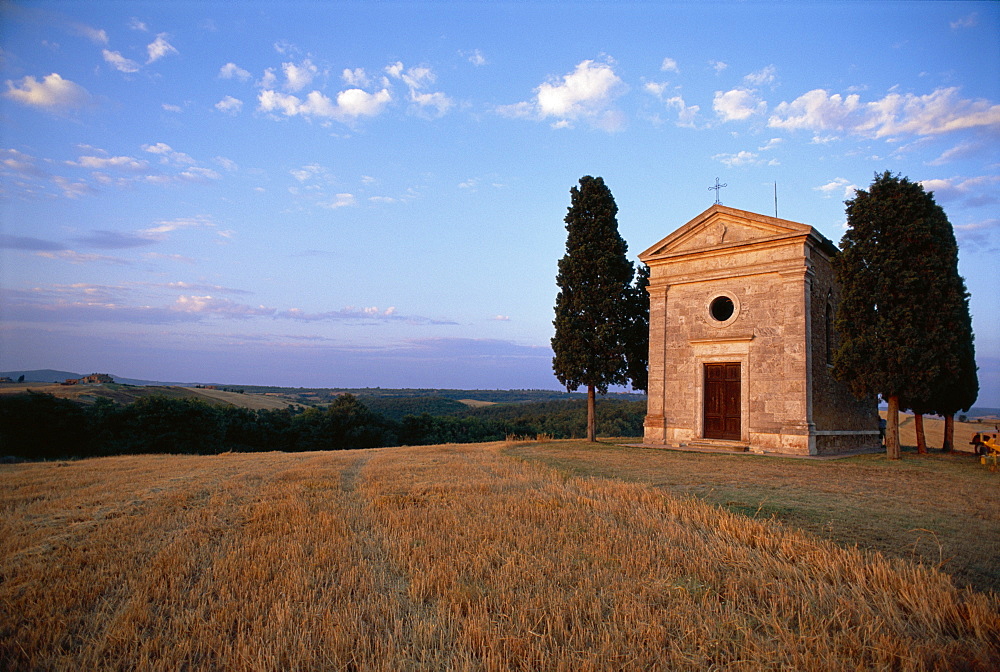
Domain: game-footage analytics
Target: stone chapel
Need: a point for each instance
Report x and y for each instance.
(741, 339)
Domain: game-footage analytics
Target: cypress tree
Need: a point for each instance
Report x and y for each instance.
(594, 305)
(958, 385)
(947, 332)
(637, 355)
(899, 316)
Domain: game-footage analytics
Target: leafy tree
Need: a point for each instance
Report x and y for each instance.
(593, 307)
(40, 426)
(899, 316)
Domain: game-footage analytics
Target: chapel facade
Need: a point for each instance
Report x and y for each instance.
(741, 340)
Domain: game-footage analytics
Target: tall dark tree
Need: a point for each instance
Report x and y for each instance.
(596, 298)
(637, 342)
(898, 318)
(958, 386)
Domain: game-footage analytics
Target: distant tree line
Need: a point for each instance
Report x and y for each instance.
(41, 426)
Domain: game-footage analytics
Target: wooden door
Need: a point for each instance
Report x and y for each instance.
(722, 401)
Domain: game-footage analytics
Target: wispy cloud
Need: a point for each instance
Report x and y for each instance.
(475, 57)
(762, 77)
(369, 314)
(967, 21)
(84, 258)
(28, 243)
(95, 35)
(424, 103)
(972, 191)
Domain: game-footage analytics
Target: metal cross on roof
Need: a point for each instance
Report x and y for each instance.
(716, 188)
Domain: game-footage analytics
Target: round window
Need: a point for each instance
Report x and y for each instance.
(721, 308)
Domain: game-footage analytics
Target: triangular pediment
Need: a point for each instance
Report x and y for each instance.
(721, 227)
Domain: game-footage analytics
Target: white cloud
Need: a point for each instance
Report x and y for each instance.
(126, 163)
(968, 21)
(771, 144)
(475, 57)
(718, 66)
(585, 94)
(209, 305)
(737, 104)
(685, 113)
(356, 77)
(79, 258)
(167, 107)
(119, 62)
(52, 92)
(358, 103)
(22, 163)
(167, 154)
(136, 24)
(268, 80)
(298, 77)
(340, 201)
(669, 65)
(350, 105)
(231, 70)
(656, 88)
(197, 174)
(167, 226)
(228, 164)
(270, 101)
(229, 105)
(939, 112)
(588, 89)
(958, 152)
(72, 189)
(437, 103)
(743, 158)
(840, 184)
(761, 77)
(95, 35)
(974, 191)
(159, 48)
(308, 172)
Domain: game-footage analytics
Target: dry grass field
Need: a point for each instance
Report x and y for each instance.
(940, 510)
(448, 557)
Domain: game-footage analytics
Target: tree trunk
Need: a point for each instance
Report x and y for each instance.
(918, 423)
(892, 429)
(949, 434)
(591, 415)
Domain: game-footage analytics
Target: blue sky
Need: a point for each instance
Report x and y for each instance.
(372, 194)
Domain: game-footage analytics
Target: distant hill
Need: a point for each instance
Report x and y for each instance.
(982, 411)
(53, 376)
(41, 375)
